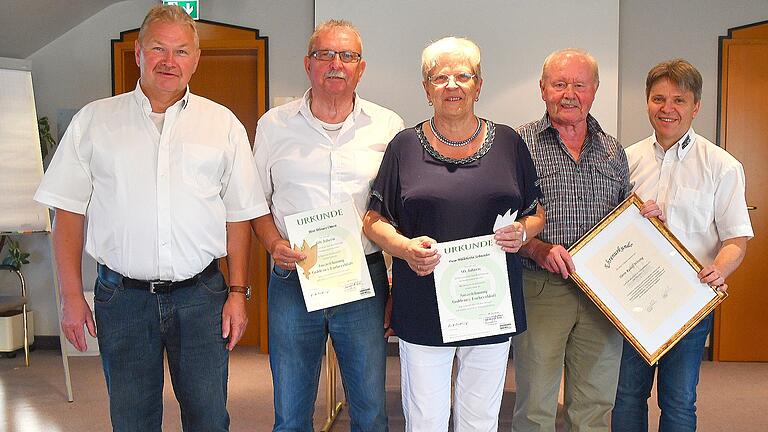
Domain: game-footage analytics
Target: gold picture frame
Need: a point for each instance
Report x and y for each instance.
(642, 279)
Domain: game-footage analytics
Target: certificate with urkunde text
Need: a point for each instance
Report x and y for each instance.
(643, 279)
(334, 271)
(472, 287)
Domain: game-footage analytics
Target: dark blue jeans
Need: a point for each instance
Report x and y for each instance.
(135, 327)
(678, 376)
(297, 342)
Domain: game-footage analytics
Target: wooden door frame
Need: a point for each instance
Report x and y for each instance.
(221, 36)
(207, 35)
(748, 33)
(740, 32)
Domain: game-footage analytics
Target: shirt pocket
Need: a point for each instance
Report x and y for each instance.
(202, 168)
(607, 186)
(551, 188)
(691, 210)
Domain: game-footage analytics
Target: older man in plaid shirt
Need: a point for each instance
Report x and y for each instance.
(583, 175)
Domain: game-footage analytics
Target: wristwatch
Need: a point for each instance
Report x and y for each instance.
(241, 289)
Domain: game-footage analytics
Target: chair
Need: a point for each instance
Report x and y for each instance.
(9, 303)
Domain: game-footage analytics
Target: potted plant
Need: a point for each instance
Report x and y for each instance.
(15, 257)
(47, 143)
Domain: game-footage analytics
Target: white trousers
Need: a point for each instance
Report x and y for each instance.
(425, 380)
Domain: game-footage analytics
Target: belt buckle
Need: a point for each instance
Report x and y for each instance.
(154, 286)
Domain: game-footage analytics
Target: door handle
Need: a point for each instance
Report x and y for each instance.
(751, 208)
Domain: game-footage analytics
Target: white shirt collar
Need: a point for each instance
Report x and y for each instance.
(146, 106)
(681, 147)
(305, 110)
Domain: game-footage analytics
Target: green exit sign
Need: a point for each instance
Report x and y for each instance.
(192, 7)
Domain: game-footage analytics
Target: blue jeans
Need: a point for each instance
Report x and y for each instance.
(678, 375)
(297, 342)
(135, 327)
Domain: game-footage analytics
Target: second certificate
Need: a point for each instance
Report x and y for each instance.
(334, 270)
(472, 288)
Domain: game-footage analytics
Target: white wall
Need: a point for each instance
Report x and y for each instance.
(652, 31)
(507, 32)
(75, 69)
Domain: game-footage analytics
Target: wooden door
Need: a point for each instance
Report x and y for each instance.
(233, 72)
(741, 322)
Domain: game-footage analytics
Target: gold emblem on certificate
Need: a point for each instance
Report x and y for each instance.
(643, 279)
(472, 287)
(334, 271)
(307, 263)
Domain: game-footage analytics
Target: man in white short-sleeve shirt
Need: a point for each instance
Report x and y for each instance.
(323, 150)
(167, 182)
(700, 189)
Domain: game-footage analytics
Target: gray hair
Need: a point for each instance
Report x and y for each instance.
(330, 25)
(168, 14)
(677, 71)
(450, 46)
(572, 52)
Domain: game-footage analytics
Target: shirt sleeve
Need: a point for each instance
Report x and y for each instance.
(385, 191)
(242, 193)
(731, 215)
(626, 185)
(67, 183)
(397, 125)
(261, 158)
(529, 187)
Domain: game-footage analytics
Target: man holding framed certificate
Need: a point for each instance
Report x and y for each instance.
(701, 191)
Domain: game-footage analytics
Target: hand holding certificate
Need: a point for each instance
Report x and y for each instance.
(334, 270)
(643, 279)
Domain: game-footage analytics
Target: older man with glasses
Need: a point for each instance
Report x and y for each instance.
(323, 150)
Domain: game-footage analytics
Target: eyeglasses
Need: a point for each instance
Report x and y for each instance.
(442, 80)
(329, 55)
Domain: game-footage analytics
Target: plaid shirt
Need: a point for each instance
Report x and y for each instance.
(577, 194)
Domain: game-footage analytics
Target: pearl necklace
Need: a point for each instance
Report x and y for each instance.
(453, 143)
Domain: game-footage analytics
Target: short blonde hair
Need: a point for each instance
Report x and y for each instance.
(330, 25)
(168, 14)
(452, 46)
(576, 52)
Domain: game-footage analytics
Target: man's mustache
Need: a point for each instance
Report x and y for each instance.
(335, 74)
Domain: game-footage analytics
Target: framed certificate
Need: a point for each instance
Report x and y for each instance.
(643, 279)
(335, 270)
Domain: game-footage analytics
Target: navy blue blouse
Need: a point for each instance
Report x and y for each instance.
(423, 193)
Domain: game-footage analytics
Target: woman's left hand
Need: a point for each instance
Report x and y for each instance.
(510, 237)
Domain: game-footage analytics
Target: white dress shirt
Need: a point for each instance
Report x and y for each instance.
(303, 168)
(699, 187)
(157, 203)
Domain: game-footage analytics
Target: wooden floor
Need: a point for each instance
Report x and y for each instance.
(732, 396)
